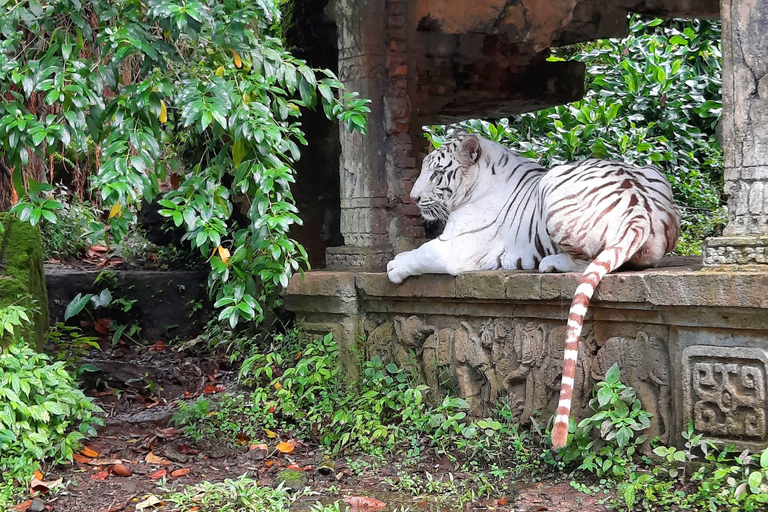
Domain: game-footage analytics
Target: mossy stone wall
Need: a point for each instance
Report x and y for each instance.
(22, 280)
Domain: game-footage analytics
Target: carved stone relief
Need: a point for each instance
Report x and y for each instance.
(724, 392)
(519, 362)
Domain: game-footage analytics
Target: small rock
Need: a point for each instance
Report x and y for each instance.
(37, 505)
(256, 454)
(292, 479)
(171, 453)
(219, 452)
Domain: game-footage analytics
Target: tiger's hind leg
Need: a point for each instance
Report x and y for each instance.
(562, 263)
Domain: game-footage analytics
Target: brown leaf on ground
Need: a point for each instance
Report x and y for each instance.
(38, 485)
(180, 472)
(82, 459)
(102, 325)
(188, 450)
(104, 462)
(363, 502)
(297, 467)
(120, 470)
(154, 459)
(157, 475)
(89, 452)
(101, 475)
(211, 388)
(159, 346)
(21, 507)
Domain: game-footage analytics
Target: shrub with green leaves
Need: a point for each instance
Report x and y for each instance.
(651, 98)
(43, 415)
(200, 95)
(606, 441)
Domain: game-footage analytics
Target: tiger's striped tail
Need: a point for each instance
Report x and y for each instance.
(607, 261)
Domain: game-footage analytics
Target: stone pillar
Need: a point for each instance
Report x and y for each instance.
(362, 68)
(745, 134)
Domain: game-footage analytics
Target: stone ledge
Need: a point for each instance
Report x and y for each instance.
(680, 283)
(736, 250)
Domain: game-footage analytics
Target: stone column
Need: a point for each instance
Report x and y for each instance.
(362, 68)
(745, 134)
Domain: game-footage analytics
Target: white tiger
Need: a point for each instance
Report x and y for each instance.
(503, 211)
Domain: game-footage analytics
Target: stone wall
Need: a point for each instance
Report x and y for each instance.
(693, 343)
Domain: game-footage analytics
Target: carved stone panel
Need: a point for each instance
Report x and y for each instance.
(519, 362)
(724, 392)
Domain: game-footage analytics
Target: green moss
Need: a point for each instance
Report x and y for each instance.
(22, 279)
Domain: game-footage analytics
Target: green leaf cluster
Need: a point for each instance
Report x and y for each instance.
(199, 93)
(43, 415)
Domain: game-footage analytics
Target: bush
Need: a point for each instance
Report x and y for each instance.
(42, 413)
(652, 98)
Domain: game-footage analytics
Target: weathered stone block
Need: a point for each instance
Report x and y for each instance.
(21, 276)
(498, 336)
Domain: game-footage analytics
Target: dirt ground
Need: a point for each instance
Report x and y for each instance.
(137, 453)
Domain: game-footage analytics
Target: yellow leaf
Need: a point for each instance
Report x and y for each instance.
(150, 502)
(220, 71)
(224, 254)
(154, 459)
(238, 62)
(163, 112)
(238, 152)
(246, 98)
(278, 385)
(115, 211)
(270, 434)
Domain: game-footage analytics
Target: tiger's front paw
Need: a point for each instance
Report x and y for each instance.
(397, 269)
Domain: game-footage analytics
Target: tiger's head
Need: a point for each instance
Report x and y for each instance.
(446, 176)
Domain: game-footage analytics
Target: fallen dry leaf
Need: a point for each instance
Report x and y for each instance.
(157, 475)
(242, 439)
(38, 475)
(89, 452)
(365, 502)
(270, 434)
(159, 346)
(269, 463)
(151, 501)
(82, 459)
(154, 459)
(503, 501)
(187, 450)
(101, 475)
(180, 472)
(104, 462)
(214, 388)
(286, 446)
(38, 485)
(102, 325)
(120, 470)
(21, 507)
(297, 467)
(258, 447)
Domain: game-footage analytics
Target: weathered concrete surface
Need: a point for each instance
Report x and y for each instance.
(21, 276)
(688, 339)
(168, 303)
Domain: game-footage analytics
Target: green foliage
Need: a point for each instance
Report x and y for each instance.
(104, 301)
(241, 495)
(12, 316)
(606, 441)
(199, 92)
(43, 415)
(298, 387)
(75, 228)
(652, 98)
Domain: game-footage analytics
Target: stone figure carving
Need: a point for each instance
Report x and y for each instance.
(516, 361)
(644, 365)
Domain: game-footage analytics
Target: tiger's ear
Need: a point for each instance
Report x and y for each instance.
(469, 149)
